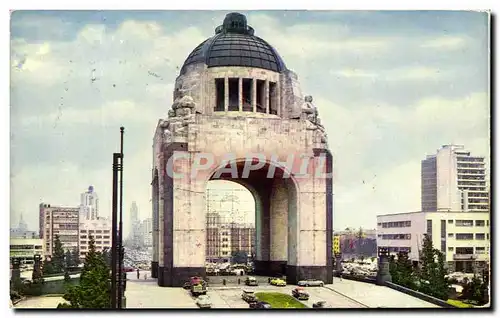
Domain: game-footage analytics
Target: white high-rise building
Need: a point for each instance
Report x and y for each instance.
(453, 180)
(100, 230)
(146, 231)
(89, 205)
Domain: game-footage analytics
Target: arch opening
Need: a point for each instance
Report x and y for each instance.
(275, 217)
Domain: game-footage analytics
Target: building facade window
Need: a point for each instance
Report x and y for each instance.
(451, 249)
(429, 228)
(480, 250)
(450, 221)
(464, 236)
(443, 235)
(451, 235)
(480, 222)
(480, 236)
(464, 223)
(396, 224)
(464, 250)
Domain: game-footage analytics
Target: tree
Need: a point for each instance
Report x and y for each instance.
(106, 253)
(75, 256)
(94, 290)
(432, 280)
(48, 268)
(68, 259)
(240, 257)
(57, 259)
(402, 271)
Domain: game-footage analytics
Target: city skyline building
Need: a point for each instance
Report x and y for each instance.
(21, 231)
(61, 221)
(89, 204)
(454, 180)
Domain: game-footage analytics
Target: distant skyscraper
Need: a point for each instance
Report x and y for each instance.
(89, 205)
(135, 225)
(21, 231)
(453, 180)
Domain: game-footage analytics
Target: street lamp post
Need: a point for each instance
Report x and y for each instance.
(117, 292)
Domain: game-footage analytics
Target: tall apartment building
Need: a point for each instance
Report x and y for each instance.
(242, 238)
(62, 221)
(464, 237)
(89, 205)
(146, 230)
(453, 180)
(100, 230)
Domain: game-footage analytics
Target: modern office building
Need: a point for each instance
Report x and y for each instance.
(25, 249)
(146, 230)
(464, 237)
(61, 221)
(89, 205)
(100, 230)
(454, 180)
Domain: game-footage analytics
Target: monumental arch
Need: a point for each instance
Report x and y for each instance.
(236, 101)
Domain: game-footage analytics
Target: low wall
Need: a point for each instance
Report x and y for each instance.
(58, 286)
(371, 280)
(427, 298)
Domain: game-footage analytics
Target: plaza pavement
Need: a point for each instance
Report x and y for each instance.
(145, 293)
(374, 296)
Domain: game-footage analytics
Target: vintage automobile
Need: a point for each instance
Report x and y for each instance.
(251, 281)
(249, 296)
(311, 282)
(300, 293)
(278, 282)
(204, 301)
(260, 305)
(320, 304)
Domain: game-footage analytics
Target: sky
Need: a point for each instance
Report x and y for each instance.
(390, 87)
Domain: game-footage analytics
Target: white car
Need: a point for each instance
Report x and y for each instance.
(310, 282)
(204, 301)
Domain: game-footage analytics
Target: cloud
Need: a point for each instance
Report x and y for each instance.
(445, 43)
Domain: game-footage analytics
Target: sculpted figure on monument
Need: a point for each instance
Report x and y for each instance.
(184, 106)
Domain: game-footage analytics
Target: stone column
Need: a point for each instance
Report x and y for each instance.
(266, 96)
(156, 230)
(240, 94)
(383, 274)
(254, 95)
(226, 94)
(278, 98)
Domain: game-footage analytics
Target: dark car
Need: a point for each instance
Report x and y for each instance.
(320, 304)
(260, 305)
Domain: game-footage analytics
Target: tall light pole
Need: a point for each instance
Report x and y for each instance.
(117, 230)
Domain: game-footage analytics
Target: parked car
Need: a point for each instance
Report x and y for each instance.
(278, 282)
(249, 296)
(311, 282)
(251, 281)
(204, 301)
(320, 304)
(260, 305)
(300, 293)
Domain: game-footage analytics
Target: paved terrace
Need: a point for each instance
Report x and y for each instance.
(145, 293)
